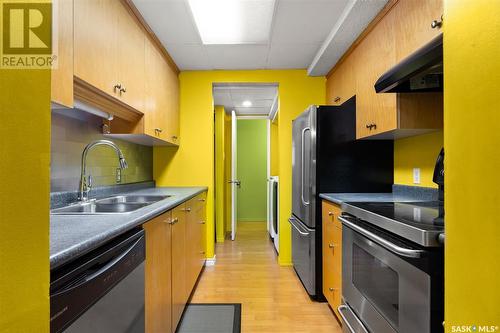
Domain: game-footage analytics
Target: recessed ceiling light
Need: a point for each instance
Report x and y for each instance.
(247, 104)
(233, 21)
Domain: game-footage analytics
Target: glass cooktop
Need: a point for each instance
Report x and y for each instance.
(426, 214)
(420, 222)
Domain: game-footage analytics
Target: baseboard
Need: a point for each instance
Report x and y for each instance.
(286, 263)
(220, 239)
(210, 261)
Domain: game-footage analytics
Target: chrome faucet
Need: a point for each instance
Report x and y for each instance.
(86, 183)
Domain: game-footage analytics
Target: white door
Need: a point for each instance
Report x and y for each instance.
(234, 178)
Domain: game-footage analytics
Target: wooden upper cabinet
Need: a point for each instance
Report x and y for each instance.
(161, 118)
(109, 50)
(412, 25)
(153, 103)
(62, 75)
(341, 85)
(130, 60)
(371, 61)
(96, 44)
(405, 28)
(172, 113)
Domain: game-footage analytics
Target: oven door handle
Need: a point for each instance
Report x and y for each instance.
(410, 253)
(360, 326)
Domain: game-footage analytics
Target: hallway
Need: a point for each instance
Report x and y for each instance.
(272, 297)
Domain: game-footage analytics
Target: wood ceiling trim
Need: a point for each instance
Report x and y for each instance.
(387, 8)
(135, 12)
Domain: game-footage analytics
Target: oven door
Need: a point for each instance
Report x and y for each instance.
(381, 282)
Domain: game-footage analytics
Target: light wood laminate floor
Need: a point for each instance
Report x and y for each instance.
(272, 297)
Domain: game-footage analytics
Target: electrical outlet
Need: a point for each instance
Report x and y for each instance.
(118, 175)
(416, 175)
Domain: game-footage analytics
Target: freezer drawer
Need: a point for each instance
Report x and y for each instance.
(303, 254)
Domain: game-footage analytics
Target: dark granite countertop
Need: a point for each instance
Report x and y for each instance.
(72, 236)
(340, 198)
(400, 193)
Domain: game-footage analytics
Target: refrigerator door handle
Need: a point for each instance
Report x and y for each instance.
(306, 203)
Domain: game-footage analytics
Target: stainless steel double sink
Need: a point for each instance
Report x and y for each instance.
(112, 205)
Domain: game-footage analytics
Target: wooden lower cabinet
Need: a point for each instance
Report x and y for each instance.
(332, 255)
(179, 259)
(174, 242)
(195, 244)
(158, 292)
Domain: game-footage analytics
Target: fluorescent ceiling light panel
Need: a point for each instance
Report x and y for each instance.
(247, 104)
(233, 21)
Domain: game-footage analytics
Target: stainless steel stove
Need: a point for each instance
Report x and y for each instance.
(392, 280)
(418, 222)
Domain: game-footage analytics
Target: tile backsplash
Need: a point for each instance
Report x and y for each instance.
(72, 130)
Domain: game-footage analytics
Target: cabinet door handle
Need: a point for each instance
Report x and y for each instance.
(118, 87)
(123, 90)
(202, 222)
(330, 214)
(331, 246)
(437, 23)
(202, 252)
(174, 221)
(159, 130)
(187, 210)
(337, 99)
(332, 289)
(174, 137)
(202, 200)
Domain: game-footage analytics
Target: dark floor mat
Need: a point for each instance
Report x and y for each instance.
(211, 318)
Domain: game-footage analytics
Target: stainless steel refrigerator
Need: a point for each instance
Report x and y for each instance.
(327, 158)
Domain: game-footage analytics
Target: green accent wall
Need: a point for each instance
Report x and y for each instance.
(252, 169)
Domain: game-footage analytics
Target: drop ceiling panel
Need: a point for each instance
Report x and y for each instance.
(237, 56)
(252, 111)
(310, 34)
(232, 98)
(261, 103)
(305, 21)
(189, 57)
(291, 55)
(253, 93)
(171, 21)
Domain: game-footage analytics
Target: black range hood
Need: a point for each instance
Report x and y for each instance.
(422, 71)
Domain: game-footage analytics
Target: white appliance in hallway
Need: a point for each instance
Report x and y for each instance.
(273, 212)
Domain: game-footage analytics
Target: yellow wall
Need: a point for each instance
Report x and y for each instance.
(24, 178)
(275, 149)
(193, 162)
(472, 162)
(417, 152)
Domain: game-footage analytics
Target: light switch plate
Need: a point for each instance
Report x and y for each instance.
(416, 175)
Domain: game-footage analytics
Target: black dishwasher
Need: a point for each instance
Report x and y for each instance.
(102, 291)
